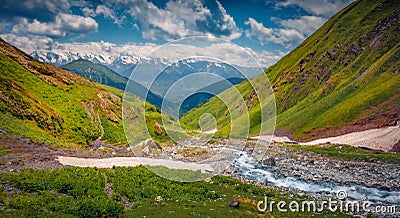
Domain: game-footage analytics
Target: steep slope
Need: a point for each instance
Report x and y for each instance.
(96, 72)
(345, 77)
(44, 103)
(102, 74)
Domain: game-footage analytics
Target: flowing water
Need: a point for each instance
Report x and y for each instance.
(248, 168)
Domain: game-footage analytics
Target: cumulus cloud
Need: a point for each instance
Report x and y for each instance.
(47, 18)
(176, 19)
(26, 44)
(181, 18)
(258, 31)
(102, 9)
(60, 27)
(288, 35)
(295, 30)
(88, 12)
(109, 13)
(42, 10)
(264, 35)
(324, 8)
(304, 25)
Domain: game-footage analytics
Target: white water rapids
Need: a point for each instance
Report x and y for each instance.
(251, 170)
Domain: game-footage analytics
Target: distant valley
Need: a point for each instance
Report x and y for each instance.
(168, 76)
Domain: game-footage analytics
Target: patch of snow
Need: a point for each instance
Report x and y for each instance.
(212, 131)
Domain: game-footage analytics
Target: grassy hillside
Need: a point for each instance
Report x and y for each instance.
(44, 103)
(104, 75)
(134, 192)
(346, 76)
(97, 73)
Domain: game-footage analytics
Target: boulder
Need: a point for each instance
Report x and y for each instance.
(148, 147)
(269, 162)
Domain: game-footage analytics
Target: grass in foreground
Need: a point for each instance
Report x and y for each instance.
(130, 192)
(348, 152)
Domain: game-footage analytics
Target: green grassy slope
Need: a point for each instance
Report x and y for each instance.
(346, 73)
(134, 192)
(44, 103)
(97, 73)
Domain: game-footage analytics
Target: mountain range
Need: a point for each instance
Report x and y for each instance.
(122, 64)
(155, 93)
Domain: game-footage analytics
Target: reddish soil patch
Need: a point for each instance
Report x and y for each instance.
(384, 114)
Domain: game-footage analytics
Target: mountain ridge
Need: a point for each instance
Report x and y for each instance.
(96, 72)
(46, 104)
(319, 85)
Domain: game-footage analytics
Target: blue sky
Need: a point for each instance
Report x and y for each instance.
(269, 28)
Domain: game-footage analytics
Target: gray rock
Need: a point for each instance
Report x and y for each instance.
(148, 147)
(269, 162)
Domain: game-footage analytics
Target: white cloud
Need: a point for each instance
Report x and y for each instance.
(77, 24)
(181, 18)
(305, 25)
(176, 19)
(289, 35)
(26, 44)
(264, 35)
(324, 8)
(42, 10)
(266, 58)
(258, 31)
(102, 9)
(63, 24)
(88, 12)
(228, 23)
(109, 13)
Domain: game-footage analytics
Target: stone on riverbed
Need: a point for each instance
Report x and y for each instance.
(148, 147)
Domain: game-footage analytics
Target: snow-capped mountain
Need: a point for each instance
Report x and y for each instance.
(117, 63)
(159, 75)
(124, 64)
